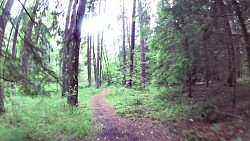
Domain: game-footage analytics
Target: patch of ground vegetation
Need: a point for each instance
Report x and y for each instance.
(46, 118)
(151, 104)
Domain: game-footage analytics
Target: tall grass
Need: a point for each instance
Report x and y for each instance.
(46, 118)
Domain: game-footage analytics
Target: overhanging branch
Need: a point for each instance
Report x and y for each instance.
(27, 12)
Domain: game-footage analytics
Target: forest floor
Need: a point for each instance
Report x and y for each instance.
(232, 121)
(226, 123)
(111, 127)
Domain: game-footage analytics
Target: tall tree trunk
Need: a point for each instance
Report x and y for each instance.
(28, 38)
(231, 53)
(189, 68)
(94, 58)
(102, 45)
(214, 75)
(98, 55)
(75, 42)
(65, 55)
(123, 45)
(89, 59)
(3, 23)
(132, 47)
(244, 31)
(101, 57)
(207, 62)
(142, 46)
(98, 62)
(70, 44)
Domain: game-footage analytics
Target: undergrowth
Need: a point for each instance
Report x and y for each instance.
(46, 118)
(154, 104)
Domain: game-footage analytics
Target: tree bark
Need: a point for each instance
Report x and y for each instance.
(98, 62)
(206, 52)
(3, 23)
(89, 59)
(244, 30)
(68, 46)
(94, 58)
(227, 29)
(101, 57)
(231, 53)
(189, 68)
(76, 40)
(132, 47)
(65, 58)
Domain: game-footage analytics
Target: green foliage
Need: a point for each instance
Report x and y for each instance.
(167, 64)
(46, 118)
(175, 44)
(135, 104)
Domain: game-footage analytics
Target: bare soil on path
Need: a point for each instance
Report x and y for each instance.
(112, 127)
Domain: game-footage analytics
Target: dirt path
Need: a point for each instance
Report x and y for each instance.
(113, 127)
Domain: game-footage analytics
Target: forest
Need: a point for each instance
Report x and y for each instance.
(127, 70)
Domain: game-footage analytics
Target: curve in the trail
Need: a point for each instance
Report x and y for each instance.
(112, 127)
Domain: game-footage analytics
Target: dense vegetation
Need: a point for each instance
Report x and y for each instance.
(184, 64)
(46, 118)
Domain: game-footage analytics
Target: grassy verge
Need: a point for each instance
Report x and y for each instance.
(153, 104)
(46, 118)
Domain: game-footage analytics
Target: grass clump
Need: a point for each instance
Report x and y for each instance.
(46, 118)
(136, 104)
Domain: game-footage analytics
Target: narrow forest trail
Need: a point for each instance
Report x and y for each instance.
(112, 127)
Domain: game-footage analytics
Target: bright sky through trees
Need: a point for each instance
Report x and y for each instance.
(108, 21)
(93, 24)
(16, 8)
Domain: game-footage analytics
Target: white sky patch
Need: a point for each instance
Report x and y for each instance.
(108, 22)
(16, 8)
(94, 23)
